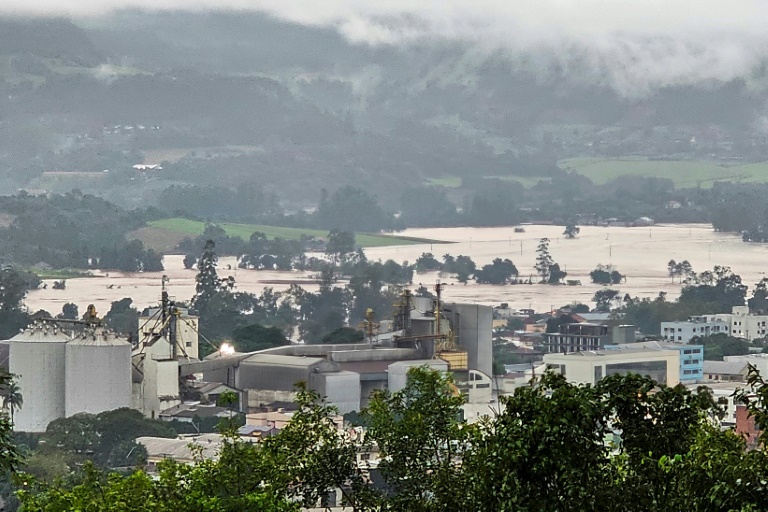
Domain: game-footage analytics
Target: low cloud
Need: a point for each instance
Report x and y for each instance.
(632, 45)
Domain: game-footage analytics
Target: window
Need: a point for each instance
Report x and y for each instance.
(687, 372)
(687, 351)
(696, 361)
(483, 386)
(598, 373)
(680, 338)
(189, 344)
(697, 351)
(657, 370)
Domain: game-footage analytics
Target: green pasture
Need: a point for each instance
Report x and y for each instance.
(194, 228)
(684, 173)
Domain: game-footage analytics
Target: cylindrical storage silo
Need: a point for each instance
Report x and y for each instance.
(98, 372)
(37, 359)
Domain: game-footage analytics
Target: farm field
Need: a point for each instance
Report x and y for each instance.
(684, 173)
(187, 227)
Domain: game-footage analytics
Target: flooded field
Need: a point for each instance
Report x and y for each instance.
(639, 253)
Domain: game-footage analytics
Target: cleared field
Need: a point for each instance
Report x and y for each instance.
(194, 228)
(684, 173)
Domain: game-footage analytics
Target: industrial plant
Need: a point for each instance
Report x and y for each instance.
(66, 367)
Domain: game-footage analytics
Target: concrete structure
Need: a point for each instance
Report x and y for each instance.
(576, 337)
(397, 373)
(98, 372)
(739, 324)
(155, 377)
(186, 327)
(37, 358)
(691, 357)
(589, 367)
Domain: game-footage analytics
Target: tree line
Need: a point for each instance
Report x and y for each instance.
(626, 443)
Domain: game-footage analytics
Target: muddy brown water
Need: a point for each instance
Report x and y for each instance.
(640, 253)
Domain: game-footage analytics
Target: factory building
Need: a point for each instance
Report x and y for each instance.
(450, 337)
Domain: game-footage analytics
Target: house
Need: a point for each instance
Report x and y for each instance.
(726, 371)
(148, 167)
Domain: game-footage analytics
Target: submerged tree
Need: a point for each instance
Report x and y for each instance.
(544, 260)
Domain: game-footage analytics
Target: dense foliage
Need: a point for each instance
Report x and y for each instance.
(625, 444)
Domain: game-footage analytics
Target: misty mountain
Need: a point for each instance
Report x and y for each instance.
(244, 97)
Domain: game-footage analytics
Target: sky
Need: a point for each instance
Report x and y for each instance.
(633, 44)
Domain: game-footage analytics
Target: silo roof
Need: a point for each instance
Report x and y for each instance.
(98, 337)
(42, 332)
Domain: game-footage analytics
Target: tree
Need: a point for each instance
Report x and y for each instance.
(253, 337)
(13, 288)
(122, 317)
(759, 300)
(207, 279)
(69, 311)
(720, 289)
(426, 262)
(719, 345)
(11, 392)
(571, 231)
(189, 261)
(421, 440)
(544, 260)
(498, 272)
(344, 335)
(340, 244)
(556, 275)
(606, 274)
(604, 299)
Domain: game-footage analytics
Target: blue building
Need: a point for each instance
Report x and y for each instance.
(691, 357)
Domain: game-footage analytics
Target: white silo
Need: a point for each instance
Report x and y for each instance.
(37, 359)
(98, 372)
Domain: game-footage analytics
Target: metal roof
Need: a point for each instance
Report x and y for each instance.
(724, 367)
(275, 360)
(42, 332)
(98, 337)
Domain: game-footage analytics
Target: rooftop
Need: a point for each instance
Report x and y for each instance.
(724, 367)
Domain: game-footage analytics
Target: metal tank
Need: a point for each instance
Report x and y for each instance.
(37, 358)
(98, 372)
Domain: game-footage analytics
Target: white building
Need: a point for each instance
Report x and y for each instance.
(589, 367)
(739, 323)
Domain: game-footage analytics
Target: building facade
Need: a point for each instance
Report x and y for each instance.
(738, 323)
(589, 367)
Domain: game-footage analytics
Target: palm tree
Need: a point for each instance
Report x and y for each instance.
(12, 398)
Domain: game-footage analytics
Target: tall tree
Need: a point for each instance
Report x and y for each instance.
(12, 397)
(544, 260)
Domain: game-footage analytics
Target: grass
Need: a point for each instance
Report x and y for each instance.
(194, 228)
(60, 273)
(684, 173)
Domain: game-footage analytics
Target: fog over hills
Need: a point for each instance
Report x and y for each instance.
(373, 93)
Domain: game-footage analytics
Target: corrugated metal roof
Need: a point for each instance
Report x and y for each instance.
(42, 332)
(98, 337)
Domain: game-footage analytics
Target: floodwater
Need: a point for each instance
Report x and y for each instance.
(640, 253)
